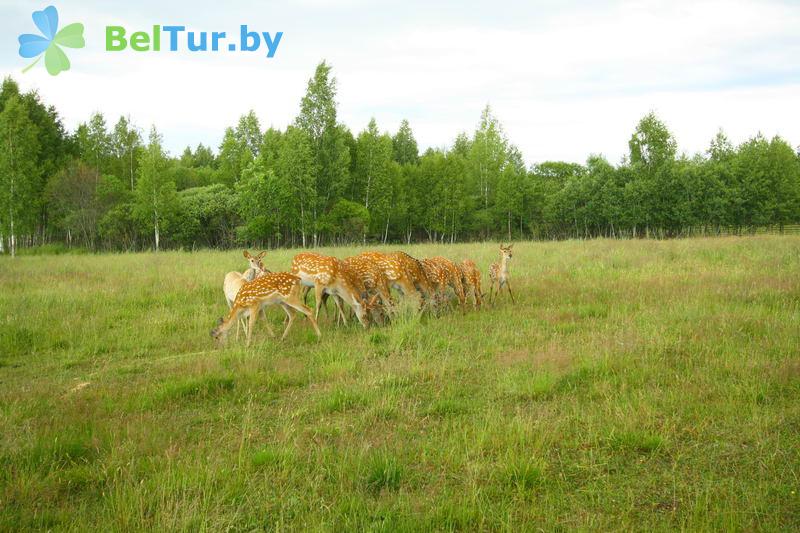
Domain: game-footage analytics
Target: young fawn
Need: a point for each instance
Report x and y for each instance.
(329, 274)
(234, 280)
(274, 288)
(499, 275)
(471, 279)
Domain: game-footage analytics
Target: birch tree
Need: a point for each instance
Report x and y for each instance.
(19, 149)
(155, 193)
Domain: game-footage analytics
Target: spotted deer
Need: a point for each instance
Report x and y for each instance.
(499, 274)
(329, 274)
(416, 274)
(471, 279)
(402, 272)
(453, 278)
(437, 277)
(234, 280)
(373, 278)
(274, 288)
(364, 278)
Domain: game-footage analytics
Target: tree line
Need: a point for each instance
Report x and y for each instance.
(315, 183)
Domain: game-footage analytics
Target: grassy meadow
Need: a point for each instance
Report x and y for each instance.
(634, 385)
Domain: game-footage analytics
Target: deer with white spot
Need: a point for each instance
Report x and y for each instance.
(499, 274)
(234, 280)
(274, 288)
(471, 279)
(452, 278)
(437, 277)
(329, 274)
(404, 273)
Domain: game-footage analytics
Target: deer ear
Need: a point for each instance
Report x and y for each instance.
(261, 254)
(510, 246)
(246, 254)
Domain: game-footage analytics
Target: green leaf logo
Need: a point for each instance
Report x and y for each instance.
(51, 41)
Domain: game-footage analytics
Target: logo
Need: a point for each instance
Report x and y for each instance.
(176, 38)
(51, 41)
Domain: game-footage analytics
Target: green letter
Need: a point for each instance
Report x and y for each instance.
(115, 38)
(140, 41)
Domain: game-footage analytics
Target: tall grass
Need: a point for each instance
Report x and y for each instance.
(635, 385)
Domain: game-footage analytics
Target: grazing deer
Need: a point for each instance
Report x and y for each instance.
(453, 278)
(397, 267)
(329, 274)
(362, 280)
(234, 281)
(373, 278)
(416, 273)
(437, 277)
(274, 288)
(499, 275)
(471, 279)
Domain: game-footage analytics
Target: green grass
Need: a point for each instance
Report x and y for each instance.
(635, 385)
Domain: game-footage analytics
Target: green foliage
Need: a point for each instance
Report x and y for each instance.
(19, 172)
(346, 221)
(404, 146)
(206, 217)
(155, 198)
(289, 185)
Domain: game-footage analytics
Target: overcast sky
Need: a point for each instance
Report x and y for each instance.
(565, 78)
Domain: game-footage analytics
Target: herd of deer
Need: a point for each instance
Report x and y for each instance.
(363, 282)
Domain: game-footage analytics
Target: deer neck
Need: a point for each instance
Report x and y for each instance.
(251, 273)
(504, 265)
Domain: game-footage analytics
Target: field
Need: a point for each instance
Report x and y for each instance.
(634, 385)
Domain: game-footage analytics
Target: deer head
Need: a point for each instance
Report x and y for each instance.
(505, 251)
(255, 261)
(216, 333)
(374, 309)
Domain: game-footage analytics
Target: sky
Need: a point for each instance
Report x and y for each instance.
(566, 79)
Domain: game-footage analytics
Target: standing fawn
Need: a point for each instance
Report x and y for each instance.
(453, 275)
(329, 274)
(499, 275)
(274, 288)
(471, 278)
(234, 280)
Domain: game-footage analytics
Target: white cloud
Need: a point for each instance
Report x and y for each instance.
(566, 80)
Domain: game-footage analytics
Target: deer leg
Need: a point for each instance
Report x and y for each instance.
(238, 322)
(263, 312)
(299, 306)
(338, 303)
(253, 317)
(318, 290)
(306, 290)
(508, 286)
(290, 312)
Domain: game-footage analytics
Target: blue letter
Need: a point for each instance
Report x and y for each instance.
(272, 45)
(215, 37)
(193, 47)
(173, 36)
(245, 37)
